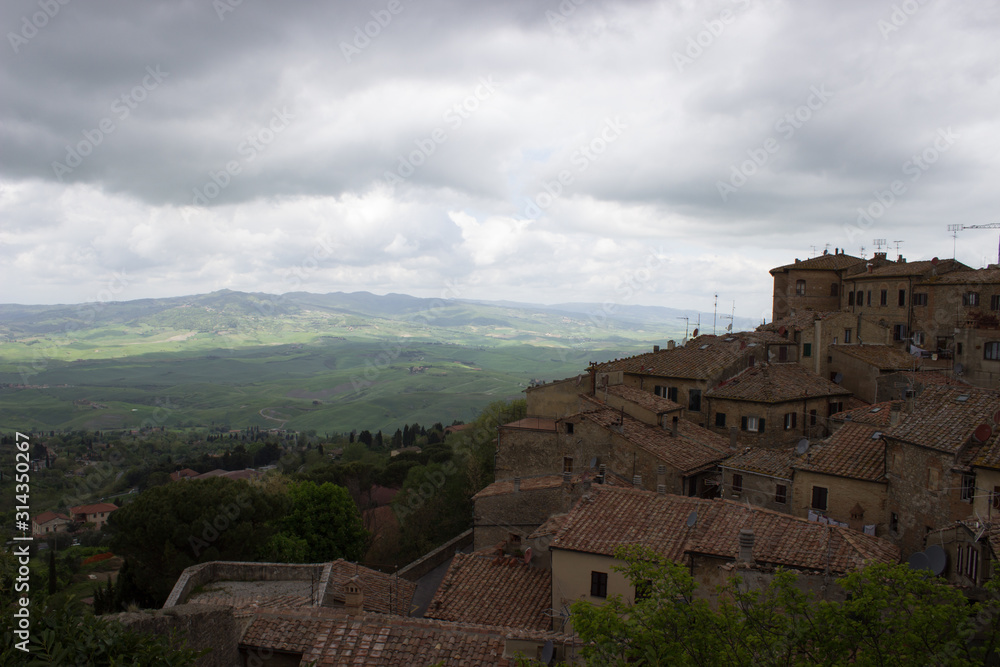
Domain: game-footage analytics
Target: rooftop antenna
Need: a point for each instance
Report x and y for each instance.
(715, 313)
(879, 244)
(686, 320)
(826, 248)
(813, 251)
(731, 318)
(897, 247)
(955, 229)
(862, 252)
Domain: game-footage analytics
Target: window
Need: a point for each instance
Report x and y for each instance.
(958, 349)
(819, 498)
(834, 289)
(836, 406)
(920, 299)
(850, 298)
(869, 297)
(720, 419)
(960, 554)
(737, 483)
(782, 353)
(569, 428)
(861, 298)
(599, 584)
(807, 349)
(659, 390)
(780, 493)
(968, 487)
(753, 424)
(902, 297)
(972, 565)
(694, 400)
(800, 288)
(893, 522)
(970, 299)
(672, 394)
(899, 332)
(790, 418)
(812, 417)
(995, 302)
(883, 297)
(568, 464)
(847, 336)
(918, 338)
(991, 350)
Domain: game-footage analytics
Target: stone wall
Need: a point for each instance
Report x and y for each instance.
(520, 512)
(525, 452)
(432, 559)
(775, 435)
(204, 573)
(555, 400)
(200, 626)
(843, 495)
(759, 490)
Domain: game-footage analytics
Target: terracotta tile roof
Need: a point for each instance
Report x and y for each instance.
(703, 357)
(920, 268)
(882, 357)
(181, 474)
(383, 592)
(93, 509)
(533, 424)
(851, 452)
(825, 262)
(332, 638)
(971, 277)
(773, 462)
(775, 383)
(925, 378)
(550, 527)
(490, 591)
(800, 321)
(505, 486)
(610, 517)
(643, 399)
(693, 448)
(942, 420)
(876, 414)
(47, 516)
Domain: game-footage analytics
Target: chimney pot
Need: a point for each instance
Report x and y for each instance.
(603, 472)
(354, 598)
(746, 546)
(671, 344)
(661, 489)
(656, 348)
(637, 481)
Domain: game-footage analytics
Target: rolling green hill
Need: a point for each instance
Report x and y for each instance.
(329, 362)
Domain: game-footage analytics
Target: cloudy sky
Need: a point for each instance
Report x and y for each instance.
(648, 153)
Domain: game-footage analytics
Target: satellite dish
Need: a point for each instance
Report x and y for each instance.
(937, 558)
(959, 369)
(548, 652)
(802, 446)
(838, 378)
(935, 260)
(782, 330)
(919, 561)
(692, 519)
(527, 556)
(694, 334)
(982, 433)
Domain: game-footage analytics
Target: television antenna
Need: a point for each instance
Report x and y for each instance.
(955, 229)
(731, 317)
(879, 244)
(686, 321)
(897, 246)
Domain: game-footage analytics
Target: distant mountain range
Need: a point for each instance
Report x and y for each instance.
(226, 308)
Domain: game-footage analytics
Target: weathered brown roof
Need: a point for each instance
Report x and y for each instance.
(942, 420)
(93, 509)
(799, 321)
(882, 357)
(693, 448)
(855, 451)
(643, 399)
(703, 357)
(876, 414)
(330, 637)
(47, 516)
(533, 424)
(971, 277)
(505, 486)
(613, 516)
(776, 383)
(494, 591)
(761, 460)
(920, 268)
(825, 262)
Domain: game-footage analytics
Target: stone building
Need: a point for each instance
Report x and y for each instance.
(774, 405)
(761, 477)
(811, 284)
(929, 459)
(859, 367)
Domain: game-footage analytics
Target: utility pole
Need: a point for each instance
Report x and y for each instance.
(715, 313)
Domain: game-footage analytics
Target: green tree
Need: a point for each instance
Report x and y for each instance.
(327, 519)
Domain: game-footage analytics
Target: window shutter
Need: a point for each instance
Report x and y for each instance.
(760, 425)
(743, 423)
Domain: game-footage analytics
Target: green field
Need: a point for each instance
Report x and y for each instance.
(223, 361)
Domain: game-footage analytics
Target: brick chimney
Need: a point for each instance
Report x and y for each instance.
(746, 546)
(354, 598)
(671, 344)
